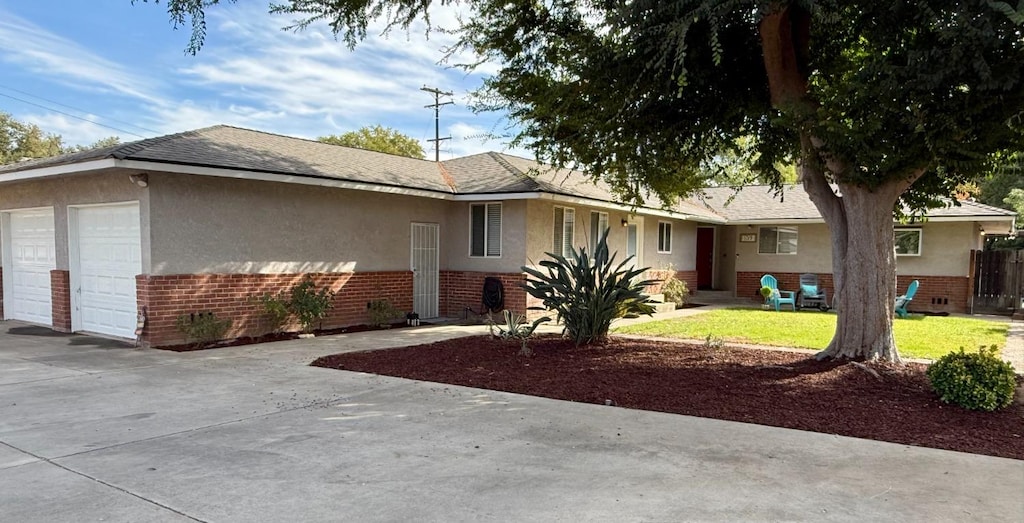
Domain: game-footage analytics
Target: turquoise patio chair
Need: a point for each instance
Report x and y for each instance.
(903, 301)
(778, 297)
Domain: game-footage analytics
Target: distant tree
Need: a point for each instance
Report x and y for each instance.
(380, 139)
(1008, 175)
(20, 140)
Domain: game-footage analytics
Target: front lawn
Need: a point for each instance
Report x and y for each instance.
(916, 337)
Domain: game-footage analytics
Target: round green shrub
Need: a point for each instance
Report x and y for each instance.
(766, 291)
(975, 381)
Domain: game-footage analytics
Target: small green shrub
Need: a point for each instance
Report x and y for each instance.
(674, 289)
(310, 305)
(275, 310)
(975, 381)
(202, 328)
(516, 328)
(766, 291)
(588, 293)
(382, 313)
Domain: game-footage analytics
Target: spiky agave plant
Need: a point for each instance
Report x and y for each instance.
(586, 292)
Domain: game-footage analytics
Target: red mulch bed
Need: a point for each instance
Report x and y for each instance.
(767, 387)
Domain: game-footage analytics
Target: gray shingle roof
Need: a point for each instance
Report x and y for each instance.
(243, 149)
(759, 203)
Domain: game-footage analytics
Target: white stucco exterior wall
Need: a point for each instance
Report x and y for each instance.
(513, 238)
(945, 251)
(228, 226)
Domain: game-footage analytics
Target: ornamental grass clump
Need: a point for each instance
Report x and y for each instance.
(586, 292)
(975, 381)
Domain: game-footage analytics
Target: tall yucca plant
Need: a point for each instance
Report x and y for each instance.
(588, 292)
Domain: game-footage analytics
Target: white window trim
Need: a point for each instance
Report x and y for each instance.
(501, 227)
(777, 253)
(920, 240)
(572, 242)
(669, 224)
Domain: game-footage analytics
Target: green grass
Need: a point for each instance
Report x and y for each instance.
(916, 337)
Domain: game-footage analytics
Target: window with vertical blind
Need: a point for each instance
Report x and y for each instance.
(598, 224)
(665, 237)
(485, 230)
(565, 227)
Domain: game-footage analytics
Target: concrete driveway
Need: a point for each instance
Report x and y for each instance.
(91, 430)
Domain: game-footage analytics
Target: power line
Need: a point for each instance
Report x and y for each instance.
(71, 115)
(9, 88)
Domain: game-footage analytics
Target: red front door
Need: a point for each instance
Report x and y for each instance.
(705, 256)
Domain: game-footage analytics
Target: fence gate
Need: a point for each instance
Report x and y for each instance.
(998, 277)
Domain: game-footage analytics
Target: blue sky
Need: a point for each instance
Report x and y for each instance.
(124, 66)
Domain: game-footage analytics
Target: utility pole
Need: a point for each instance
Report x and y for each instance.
(437, 118)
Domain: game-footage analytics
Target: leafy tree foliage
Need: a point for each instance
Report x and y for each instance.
(19, 141)
(884, 105)
(380, 139)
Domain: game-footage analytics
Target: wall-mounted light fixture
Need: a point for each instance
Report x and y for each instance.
(140, 179)
(625, 222)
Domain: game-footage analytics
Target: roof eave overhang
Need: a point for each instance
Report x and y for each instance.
(590, 202)
(57, 170)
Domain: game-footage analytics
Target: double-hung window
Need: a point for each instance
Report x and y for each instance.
(598, 224)
(565, 227)
(777, 240)
(665, 237)
(485, 230)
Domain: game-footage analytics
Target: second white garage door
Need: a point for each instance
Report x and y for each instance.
(109, 256)
(29, 257)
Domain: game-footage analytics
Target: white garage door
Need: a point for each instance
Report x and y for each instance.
(28, 261)
(109, 252)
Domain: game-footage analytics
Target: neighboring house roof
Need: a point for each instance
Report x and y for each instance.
(759, 203)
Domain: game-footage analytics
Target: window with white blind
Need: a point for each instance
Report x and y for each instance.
(485, 230)
(598, 224)
(565, 227)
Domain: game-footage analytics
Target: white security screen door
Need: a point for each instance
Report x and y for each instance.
(29, 256)
(425, 271)
(106, 246)
(635, 242)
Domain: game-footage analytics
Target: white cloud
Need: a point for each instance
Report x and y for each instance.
(46, 54)
(252, 74)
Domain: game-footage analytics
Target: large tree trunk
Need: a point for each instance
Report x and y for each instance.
(859, 218)
(864, 269)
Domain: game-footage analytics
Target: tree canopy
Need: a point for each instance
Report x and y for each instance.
(884, 105)
(380, 139)
(19, 141)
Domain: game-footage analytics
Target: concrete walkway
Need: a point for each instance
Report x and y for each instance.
(92, 430)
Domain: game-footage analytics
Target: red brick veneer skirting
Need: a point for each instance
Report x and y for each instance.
(464, 289)
(60, 299)
(935, 293)
(164, 298)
